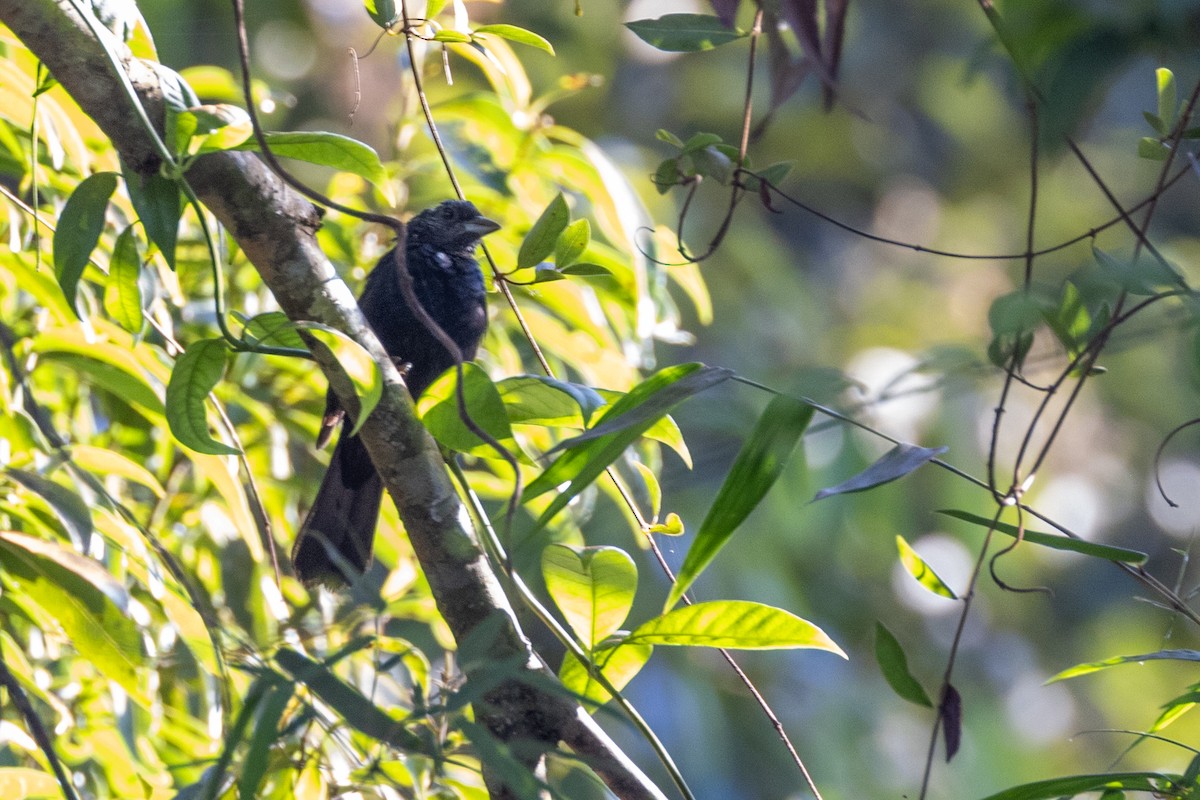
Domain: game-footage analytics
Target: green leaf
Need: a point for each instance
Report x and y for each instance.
(1152, 149)
(1078, 784)
(653, 490)
(1015, 313)
(1156, 123)
(1168, 98)
(1145, 277)
(587, 270)
(916, 566)
(664, 135)
(219, 126)
(197, 372)
(265, 736)
(67, 506)
(699, 141)
(272, 328)
(894, 666)
(733, 624)
(592, 586)
(515, 34)
(330, 150)
(754, 471)
(158, 205)
(540, 241)
(450, 35)
(1107, 552)
(684, 33)
(356, 362)
(92, 607)
(895, 463)
(438, 409)
(540, 400)
(624, 421)
(619, 663)
(352, 707)
(1096, 666)
(79, 228)
(571, 243)
(667, 175)
(122, 292)
(383, 12)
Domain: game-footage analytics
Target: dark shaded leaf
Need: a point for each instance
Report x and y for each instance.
(1054, 541)
(158, 205)
(1079, 784)
(896, 463)
(894, 666)
(754, 471)
(571, 243)
(382, 12)
(266, 734)
(726, 11)
(79, 228)
(951, 712)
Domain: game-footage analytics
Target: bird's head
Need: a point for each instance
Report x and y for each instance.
(454, 226)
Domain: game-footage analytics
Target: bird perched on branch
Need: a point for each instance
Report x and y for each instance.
(337, 538)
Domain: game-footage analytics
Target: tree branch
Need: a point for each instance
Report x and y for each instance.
(276, 229)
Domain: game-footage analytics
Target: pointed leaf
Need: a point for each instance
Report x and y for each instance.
(733, 624)
(754, 471)
(592, 586)
(79, 228)
(1096, 666)
(90, 605)
(266, 735)
(272, 328)
(540, 400)
(330, 150)
(67, 506)
(571, 243)
(539, 242)
(1054, 541)
(896, 463)
(122, 292)
(894, 666)
(382, 12)
(197, 372)
(916, 566)
(1073, 785)
(159, 205)
(684, 33)
(950, 710)
(518, 35)
(623, 422)
(1168, 97)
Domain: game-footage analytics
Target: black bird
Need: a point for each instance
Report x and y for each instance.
(440, 251)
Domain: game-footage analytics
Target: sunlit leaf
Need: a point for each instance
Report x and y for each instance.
(733, 624)
(67, 506)
(104, 462)
(754, 471)
(1079, 784)
(28, 784)
(516, 34)
(91, 606)
(619, 663)
(588, 455)
(571, 243)
(592, 586)
(79, 228)
(330, 150)
(1168, 98)
(438, 409)
(684, 33)
(272, 328)
(1096, 666)
(122, 292)
(924, 574)
(197, 372)
(894, 666)
(896, 463)
(540, 400)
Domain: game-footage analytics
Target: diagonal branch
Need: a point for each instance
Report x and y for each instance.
(276, 229)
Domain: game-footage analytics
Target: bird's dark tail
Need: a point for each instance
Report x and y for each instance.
(335, 542)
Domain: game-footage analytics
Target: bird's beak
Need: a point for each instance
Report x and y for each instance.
(480, 226)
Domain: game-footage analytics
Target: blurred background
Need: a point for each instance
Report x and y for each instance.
(927, 143)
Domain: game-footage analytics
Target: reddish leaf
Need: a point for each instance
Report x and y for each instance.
(801, 15)
(835, 32)
(950, 710)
